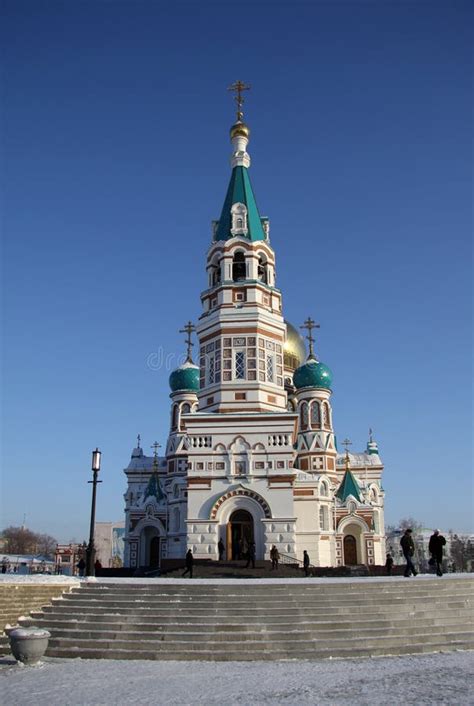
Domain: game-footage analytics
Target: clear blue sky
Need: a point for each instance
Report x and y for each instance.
(115, 141)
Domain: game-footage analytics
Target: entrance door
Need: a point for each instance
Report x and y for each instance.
(154, 551)
(350, 550)
(240, 533)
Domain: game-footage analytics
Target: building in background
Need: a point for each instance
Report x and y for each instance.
(251, 455)
(109, 543)
(67, 556)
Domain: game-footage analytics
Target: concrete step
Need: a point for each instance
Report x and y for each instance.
(230, 598)
(253, 633)
(262, 654)
(250, 612)
(116, 623)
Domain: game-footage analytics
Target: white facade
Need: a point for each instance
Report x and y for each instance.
(251, 457)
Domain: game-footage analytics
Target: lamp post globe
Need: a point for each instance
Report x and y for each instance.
(90, 551)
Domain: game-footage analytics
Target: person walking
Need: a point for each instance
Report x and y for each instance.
(81, 565)
(306, 563)
(275, 557)
(408, 547)
(189, 561)
(221, 549)
(435, 547)
(389, 564)
(251, 556)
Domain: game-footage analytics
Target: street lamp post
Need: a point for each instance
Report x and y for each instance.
(90, 551)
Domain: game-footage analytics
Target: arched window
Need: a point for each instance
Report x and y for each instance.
(174, 417)
(262, 269)
(239, 219)
(326, 417)
(215, 274)
(186, 408)
(315, 415)
(323, 518)
(238, 267)
(304, 415)
(323, 488)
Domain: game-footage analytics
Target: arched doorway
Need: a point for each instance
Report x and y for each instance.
(350, 550)
(154, 551)
(150, 547)
(240, 532)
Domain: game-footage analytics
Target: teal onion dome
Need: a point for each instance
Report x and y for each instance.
(312, 374)
(186, 377)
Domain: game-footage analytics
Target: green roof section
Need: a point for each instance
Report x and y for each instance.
(348, 487)
(240, 191)
(153, 488)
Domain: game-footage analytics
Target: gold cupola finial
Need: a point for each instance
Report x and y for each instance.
(239, 129)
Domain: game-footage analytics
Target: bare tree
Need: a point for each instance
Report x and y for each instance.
(461, 552)
(46, 545)
(20, 540)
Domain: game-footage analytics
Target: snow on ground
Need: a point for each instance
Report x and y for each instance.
(424, 680)
(45, 579)
(38, 579)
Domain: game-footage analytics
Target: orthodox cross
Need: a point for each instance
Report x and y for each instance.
(310, 324)
(155, 448)
(346, 443)
(189, 328)
(371, 435)
(238, 87)
(139, 440)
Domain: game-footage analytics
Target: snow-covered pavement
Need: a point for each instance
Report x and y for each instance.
(421, 680)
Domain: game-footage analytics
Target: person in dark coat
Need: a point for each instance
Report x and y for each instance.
(389, 564)
(81, 565)
(275, 557)
(408, 547)
(251, 556)
(435, 547)
(189, 564)
(306, 563)
(221, 549)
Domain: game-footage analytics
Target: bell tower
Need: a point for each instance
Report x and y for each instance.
(241, 331)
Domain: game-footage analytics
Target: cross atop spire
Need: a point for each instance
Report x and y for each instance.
(346, 443)
(238, 87)
(189, 328)
(309, 325)
(371, 434)
(139, 441)
(155, 446)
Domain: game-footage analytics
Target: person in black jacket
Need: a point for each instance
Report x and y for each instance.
(408, 548)
(435, 547)
(251, 555)
(306, 563)
(389, 564)
(189, 564)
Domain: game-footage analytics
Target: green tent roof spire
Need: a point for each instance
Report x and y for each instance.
(240, 192)
(349, 486)
(240, 216)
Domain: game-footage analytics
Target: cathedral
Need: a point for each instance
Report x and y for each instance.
(251, 454)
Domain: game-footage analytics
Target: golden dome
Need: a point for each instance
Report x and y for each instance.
(294, 350)
(239, 129)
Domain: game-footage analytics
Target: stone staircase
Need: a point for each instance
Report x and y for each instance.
(230, 620)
